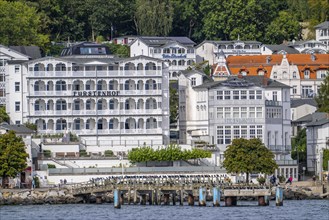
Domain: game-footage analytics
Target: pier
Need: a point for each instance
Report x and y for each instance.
(173, 189)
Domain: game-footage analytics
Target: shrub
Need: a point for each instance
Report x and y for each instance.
(51, 166)
(47, 153)
(261, 180)
(108, 153)
(83, 153)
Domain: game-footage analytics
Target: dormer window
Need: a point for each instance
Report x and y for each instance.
(193, 81)
(307, 74)
(294, 75)
(275, 75)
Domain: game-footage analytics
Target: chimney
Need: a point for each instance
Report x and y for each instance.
(268, 59)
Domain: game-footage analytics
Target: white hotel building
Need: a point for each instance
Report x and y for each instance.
(178, 52)
(106, 101)
(240, 107)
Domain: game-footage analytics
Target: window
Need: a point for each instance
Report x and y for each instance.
(259, 94)
(60, 85)
(243, 112)
(193, 81)
(220, 112)
(244, 131)
(236, 132)
(236, 112)
(252, 112)
(307, 91)
(100, 105)
(275, 96)
(227, 95)
(76, 105)
(252, 131)
(243, 94)
(294, 75)
(259, 112)
(88, 105)
(236, 95)
(17, 106)
(227, 112)
(251, 94)
(17, 68)
(307, 74)
(17, 122)
(166, 50)
(227, 133)
(294, 90)
(17, 86)
(220, 135)
(259, 131)
(61, 105)
(275, 75)
(219, 95)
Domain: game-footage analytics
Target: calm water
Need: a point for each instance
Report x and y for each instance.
(307, 209)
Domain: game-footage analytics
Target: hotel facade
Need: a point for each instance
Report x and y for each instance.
(240, 107)
(107, 102)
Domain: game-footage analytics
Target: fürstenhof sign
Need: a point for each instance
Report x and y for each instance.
(174, 56)
(95, 93)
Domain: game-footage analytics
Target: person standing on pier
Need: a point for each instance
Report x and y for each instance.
(289, 180)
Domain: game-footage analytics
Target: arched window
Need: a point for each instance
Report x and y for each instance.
(111, 104)
(60, 67)
(37, 105)
(151, 104)
(77, 124)
(174, 63)
(61, 105)
(60, 85)
(151, 123)
(100, 104)
(129, 66)
(37, 86)
(61, 124)
(150, 66)
(111, 123)
(88, 104)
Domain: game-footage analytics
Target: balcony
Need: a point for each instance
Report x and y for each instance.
(280, 148)
(272, 103)
(93, 74)
(156, 131)
(286, 162)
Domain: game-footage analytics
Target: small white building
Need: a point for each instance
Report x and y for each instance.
(209, 50)
(299, 109)
(311, 46)
(322, 33)
(317, 133)
(269, 49)
(178, 52)
(124, 40)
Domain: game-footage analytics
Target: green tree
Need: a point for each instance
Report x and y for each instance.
(325, 159)
(230, 19)
(153, 17)
(173, 105)
(4, 117)
(249, 156)
(298, 145)
(323, 95)
(31, 126)
(12, 155)
(119, 50)
(284, 27)
(21, 25)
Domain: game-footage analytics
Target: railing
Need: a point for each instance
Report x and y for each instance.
(279, 148)
(97, 112)
(286, 162)
(136, 170)
(90, 74)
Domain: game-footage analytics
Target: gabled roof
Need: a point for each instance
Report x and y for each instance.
(245, 81)
(31, 51)
(276, 48)
(19, 129)
(160, 41)
(323, 25)
(299, 102)
(316, 116)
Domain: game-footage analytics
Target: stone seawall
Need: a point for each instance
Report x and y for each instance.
(64, 196)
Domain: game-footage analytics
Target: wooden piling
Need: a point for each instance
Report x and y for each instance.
(116, 199)
(190, 199)
(174, 198)
(181, 198)
(279, 196)
(202, 196)
(135, 196)
(166, 199)
(216, 196)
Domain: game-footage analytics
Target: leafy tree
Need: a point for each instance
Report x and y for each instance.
(323, 95)
(230, 19)
(169, 153)
(299, 146)
(119, 50)
(4, 117)
(21, 25)
(31, 126)
(325, 159)
(249, 156)
(284, 27)
(12, 155)
(153, 17)
(187, 19)
(173, 105)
